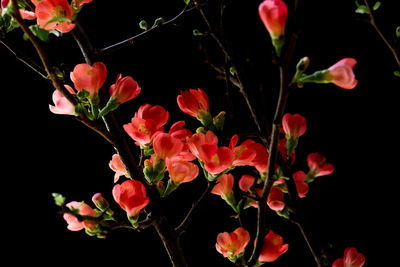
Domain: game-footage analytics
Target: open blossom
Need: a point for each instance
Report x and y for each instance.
(260, 161)
(181, 171)
(341, 73)
(61, 103)
(131, 196)
(124, 89)
(232, 244)
(294, 125)
(48, 10)
(351, 259)
(246, 182)
(166, 146)
(301, 186)
(147, 121)
(244, 155)
(198, 139)
(193, 102)
(318, 165)
(90, 78)
(178, 131)
(273, 14)
(273, 247)
(83, 209)
(117, 166)
(216, 159)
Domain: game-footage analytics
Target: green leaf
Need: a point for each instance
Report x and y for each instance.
(143, 25)
(398, 32)
(187, 2)
(377, 5)
(158, 22)
(42, 34)
(362, 9)
(58, 199)
(58, 19)
(396, 73)
(196, 32)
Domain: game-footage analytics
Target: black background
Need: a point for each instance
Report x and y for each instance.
(355, 129)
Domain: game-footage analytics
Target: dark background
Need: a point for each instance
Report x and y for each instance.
(355, 129)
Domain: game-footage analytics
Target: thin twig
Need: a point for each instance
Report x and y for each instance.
(372, 21)
(130, 41)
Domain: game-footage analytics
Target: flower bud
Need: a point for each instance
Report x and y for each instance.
(100, 202)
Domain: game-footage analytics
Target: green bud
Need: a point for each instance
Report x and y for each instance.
(206, 119)
(196, 32)
(158, 22)
(143, 25)
(219, 121)
(58, 199)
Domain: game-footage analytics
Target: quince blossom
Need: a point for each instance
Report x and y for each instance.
(273, 247)
(351, 259)
(232, 244)
(58, 10)
(131, 196)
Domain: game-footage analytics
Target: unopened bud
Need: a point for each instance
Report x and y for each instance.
(100, 202)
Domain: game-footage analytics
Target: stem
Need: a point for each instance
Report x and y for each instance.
(372, 21)
(303, 233)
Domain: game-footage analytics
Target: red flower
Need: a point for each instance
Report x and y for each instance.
(124, 89)
(58, 10)
(273, 247)
(318, 165)
(246, 182)
(232, 244)
(181, 171)
(342, 75)
(216, 159)
(224, 186)
(166, 146)
(273, 14)
(351, 259)
(179, 132)
(131, 196)
(147, 121)
(198, 139)
(294, 125)
(193, 102)
(301, 186)
(90, 78)
(275, 199)
(244, 155)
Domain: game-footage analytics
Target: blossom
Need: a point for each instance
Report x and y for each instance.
(244, 155)
(4, 3)
(318, 165)
(80, 3)
(55, 15)
(90, 78)
(83, 209)
(100, 202)
(246, 182)
(61, 104)
(131, 196)
(193, 102)
(341, 73)
(224, 186)
(166, 146)
(275, 199)
(232, 244)
(301, 186)
(178, 131)
(181, 171)
(260, 161)
(116, 165)
(273, 247)
(198, 139)
(351, 259)
(273, 14)
(216, 159)
(124, 89)
(294, 125)
(147, 121)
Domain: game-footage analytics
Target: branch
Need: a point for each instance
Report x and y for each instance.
(132, 40)
(189, 216)
(372, 21)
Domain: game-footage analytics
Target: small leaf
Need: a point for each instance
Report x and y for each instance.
(143, 25)
(398, 32)
(187, 2)
(377, 5)
(396, 73)
(57, 19)
(196, 32)
(362, 9)
(58, 199)
(157, 22)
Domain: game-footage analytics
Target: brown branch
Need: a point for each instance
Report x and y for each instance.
(372, 21)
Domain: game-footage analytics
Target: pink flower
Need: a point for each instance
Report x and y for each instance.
(148, 120)
(90, 78)
(166, 146)
(246, 182)
(275, 199)
(301, 186)
(273, 247)
(48, 10)
(294, 125)
(124, 89)
(26, 14)
(351, 259)
(181, 171)
(131, 196)
(193, 102)
(318, 165)
(61, 103)
(179, 132)
(83, 209)
(198, 139)
(232, 244)
(273, 14)
(117, 166)
(224, 186)
(244, 155)
(216, 159)
(342, 75)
